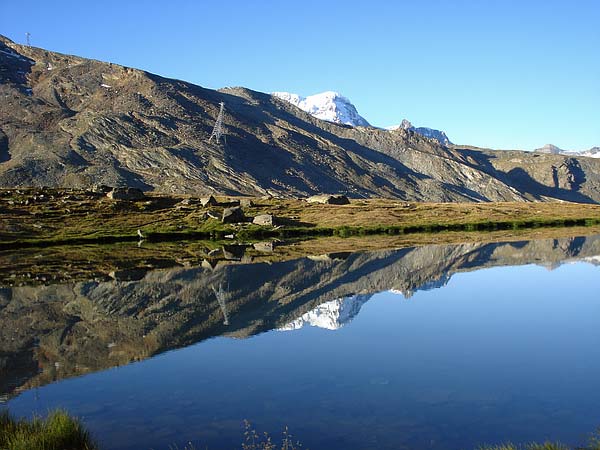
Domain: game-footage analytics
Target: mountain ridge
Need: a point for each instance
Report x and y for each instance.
(593, 152)
(72, 121)
(431, 133)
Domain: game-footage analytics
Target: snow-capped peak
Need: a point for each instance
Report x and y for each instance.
(330, 315)
(329, 105)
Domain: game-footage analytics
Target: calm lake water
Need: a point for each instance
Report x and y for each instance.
(441, 347)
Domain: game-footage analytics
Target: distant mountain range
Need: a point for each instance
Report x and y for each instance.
(593, 152)
(336, 108)
(72, 121)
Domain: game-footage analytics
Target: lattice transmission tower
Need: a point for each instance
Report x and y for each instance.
(28, 38)
(218, 129)
(221, 298)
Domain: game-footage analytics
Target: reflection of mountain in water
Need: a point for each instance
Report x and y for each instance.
(57, 331)
(331, 315)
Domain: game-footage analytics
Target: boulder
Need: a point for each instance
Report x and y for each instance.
(127, 193)
(209, 201)
(233, 215)
(329, 199)
(264, 220)
(246, 202)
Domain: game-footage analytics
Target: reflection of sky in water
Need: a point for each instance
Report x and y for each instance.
(498, 354)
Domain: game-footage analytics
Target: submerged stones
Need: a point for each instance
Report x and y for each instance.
(266, 247)
(329, 199)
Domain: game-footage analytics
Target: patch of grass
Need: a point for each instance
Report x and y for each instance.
(533, 446)
(58, 431)
(593, 444)
(81, 218)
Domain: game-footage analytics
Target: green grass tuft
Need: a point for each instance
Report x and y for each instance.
(58, 431)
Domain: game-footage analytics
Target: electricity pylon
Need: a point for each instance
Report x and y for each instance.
(221, 298)
(218, 129)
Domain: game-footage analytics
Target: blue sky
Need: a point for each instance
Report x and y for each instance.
(503, 74)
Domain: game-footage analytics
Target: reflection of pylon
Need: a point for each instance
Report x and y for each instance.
(218, 129)
(220, 294)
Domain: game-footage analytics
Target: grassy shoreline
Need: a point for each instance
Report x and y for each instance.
(61, 431)
(47, 217)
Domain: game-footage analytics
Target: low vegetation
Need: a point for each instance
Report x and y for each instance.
(46, 217)
(593, 444)
(58, 431)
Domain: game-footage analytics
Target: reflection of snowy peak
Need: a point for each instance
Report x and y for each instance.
(331, 315)
(329, 106)
(595, 260)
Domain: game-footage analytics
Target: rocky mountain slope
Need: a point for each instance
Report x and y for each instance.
(56, 331)
(438, 135)
(71, 121)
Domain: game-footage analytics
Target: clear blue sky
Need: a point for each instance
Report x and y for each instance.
(504, 74)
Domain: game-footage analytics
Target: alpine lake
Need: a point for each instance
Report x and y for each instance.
(404, 346)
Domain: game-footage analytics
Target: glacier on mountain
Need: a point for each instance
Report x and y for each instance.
(329, 106)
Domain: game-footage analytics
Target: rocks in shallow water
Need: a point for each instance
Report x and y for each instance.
(133, 274)
(233, 215)
(264, 246)
(127, 193)
(264, 220)
(209, 201)
(329, 199)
